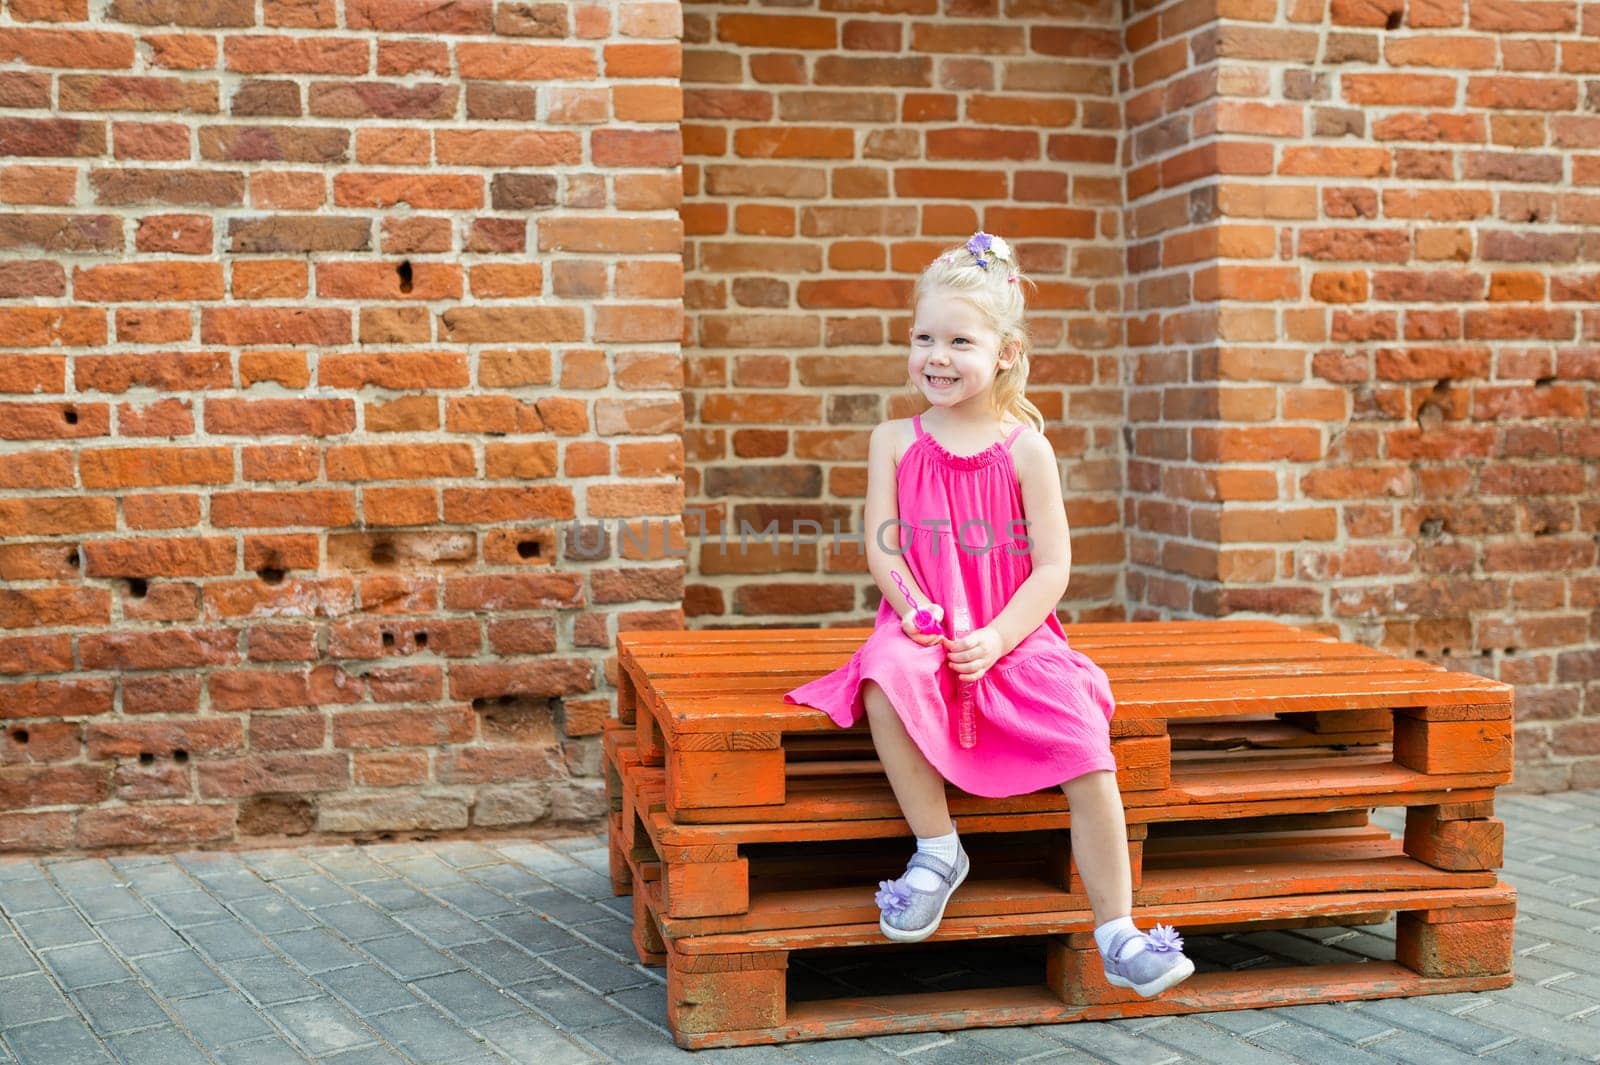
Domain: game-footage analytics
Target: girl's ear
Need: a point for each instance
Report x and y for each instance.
(1008, 354)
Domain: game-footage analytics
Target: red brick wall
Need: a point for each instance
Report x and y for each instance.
(832, 148)
(321, 324)
(1365, 383)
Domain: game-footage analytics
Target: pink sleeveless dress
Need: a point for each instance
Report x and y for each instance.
(1042, 712)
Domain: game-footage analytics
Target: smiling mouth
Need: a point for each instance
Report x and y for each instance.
(941, 380)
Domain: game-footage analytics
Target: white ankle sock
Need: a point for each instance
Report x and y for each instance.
(1108, 931)
(945, 848)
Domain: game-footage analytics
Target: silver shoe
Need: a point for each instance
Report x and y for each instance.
(1160, 965)
(911, 914)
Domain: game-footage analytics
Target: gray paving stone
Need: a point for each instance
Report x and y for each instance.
(178, 975)
(646, 1003)
(1199, 1040)
(444, 927)
(133, 936)
(12, 868)
(376, 1054)
(1415, 1015)
(564, 907)
(1302, 1043)
(43, 929)
(316, 951)
(269, 981)
(60, 1042)
(584, 882)
(122, 1007)
(314, 891)
(235, 887)
(157, 1046)
(500, 962)
(594, 970)
(1339, 1021)
(18, 897)
(1111, 1044)
(108, 903)
(349, 865)
(507, 879)
(270, 914)
(426, 871)
(185, 909)
(426, 1034)
(322, 1026)
(638, 1044)
(156, 876)
(1572, 1039)
(279, 864)
(410, 957)
(228, 941)
(532, 933)
(393, 896)
(570, 1006)
(275, 1051)
(477, 901)
(16, 959)
(1418, 1048)
(527, 1039)
(222, 1020)
(468, 997)
(359, 921)
(30, 999)
(84, 965)
(368, 990)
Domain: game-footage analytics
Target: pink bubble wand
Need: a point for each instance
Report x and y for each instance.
(926, 619)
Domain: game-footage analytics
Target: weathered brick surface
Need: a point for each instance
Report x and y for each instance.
(298, 394)
(1361, 385)
(831, 150)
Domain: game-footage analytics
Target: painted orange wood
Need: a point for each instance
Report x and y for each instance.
(695, 889)
(1453, 948)
(1453, 746)
(1454, 844)
(725, 778)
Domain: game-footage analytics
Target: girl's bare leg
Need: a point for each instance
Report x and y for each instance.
(918, 787)
(1100, 843)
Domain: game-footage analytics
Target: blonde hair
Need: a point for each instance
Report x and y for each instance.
(996, 291)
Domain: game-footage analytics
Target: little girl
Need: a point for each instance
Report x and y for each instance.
(967, 539)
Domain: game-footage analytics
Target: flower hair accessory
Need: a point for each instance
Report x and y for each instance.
(985, 247)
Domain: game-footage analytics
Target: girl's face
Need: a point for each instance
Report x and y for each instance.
(955, 353)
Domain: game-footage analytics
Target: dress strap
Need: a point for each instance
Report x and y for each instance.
(1013, 436)
(916, 423)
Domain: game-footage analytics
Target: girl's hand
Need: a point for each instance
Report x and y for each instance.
(973, 654)
(924, 639)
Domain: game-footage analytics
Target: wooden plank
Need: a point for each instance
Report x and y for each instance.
(1060, 922)
(1454, 746)
(1160, 699)
(779, 909)
(1202, 993)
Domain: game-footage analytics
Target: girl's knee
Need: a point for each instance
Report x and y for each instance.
(876, 700)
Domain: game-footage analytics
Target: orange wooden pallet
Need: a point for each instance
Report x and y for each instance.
(1248, 754)
(714, 715)
(712, 870)
(731, 988)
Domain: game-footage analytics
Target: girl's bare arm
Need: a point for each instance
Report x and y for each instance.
(1051, 548)
(882, 511)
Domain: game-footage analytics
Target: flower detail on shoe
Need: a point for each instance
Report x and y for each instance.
(1164, 937)
(893, 897)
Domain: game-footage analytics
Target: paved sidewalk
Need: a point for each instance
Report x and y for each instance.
(450, 953)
